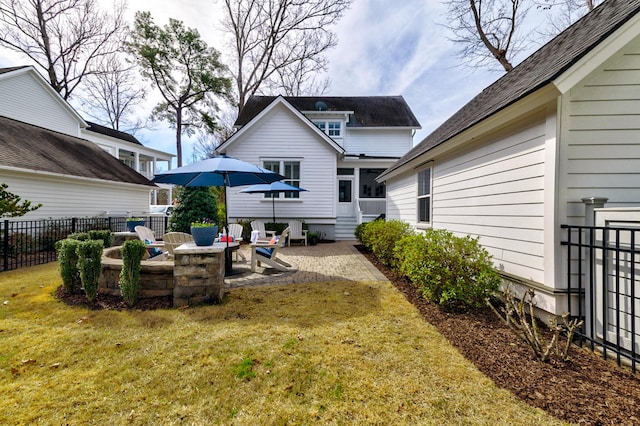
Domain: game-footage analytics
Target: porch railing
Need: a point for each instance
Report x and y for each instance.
(603, 276)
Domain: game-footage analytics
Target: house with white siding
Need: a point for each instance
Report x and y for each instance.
(46, 174)
(333, 147)
(533, 150)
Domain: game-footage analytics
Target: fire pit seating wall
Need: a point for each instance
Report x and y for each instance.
(195, 275)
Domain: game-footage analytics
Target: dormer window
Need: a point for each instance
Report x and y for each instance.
(334, 128)
(331, 128)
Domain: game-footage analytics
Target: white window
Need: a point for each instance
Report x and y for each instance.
(334, 128)
(331, 128)
(290, 170)
(424, 196)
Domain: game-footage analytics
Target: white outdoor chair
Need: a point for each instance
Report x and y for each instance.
(297, 233)
(175, 239)
(155, 248)
(268, 253)
(235, 230)
(258, 225)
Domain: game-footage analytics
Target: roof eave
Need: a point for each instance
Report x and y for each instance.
(508, 114)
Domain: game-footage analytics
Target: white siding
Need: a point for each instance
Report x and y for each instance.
(67, 197)
(378, 142)
(495, 190)
(401, 198)
(32, 103)
(601, 136)
(281, 136)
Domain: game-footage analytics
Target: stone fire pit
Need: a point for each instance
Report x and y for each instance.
(195, 275)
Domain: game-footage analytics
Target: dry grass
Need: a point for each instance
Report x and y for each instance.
(322, 353)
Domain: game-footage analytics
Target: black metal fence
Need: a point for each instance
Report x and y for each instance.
(32, 242)
(604, 288)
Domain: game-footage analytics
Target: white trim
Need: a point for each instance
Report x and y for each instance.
(279, 101)
(494, 122)
(597, 55)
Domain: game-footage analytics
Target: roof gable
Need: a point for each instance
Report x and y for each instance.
(28, 147)
(6, 73)
(275, 102)
(535, 72)
(368, 111)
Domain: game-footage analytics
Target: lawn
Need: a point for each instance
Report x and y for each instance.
(319, 353)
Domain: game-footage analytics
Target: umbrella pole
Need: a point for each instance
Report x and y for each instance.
(273, 207)
(228, 261)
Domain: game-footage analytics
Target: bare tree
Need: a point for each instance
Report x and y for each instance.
(278, 44)
(187, 73)
(66, 38)
(486, 29)
(111, 96)
(562, 13)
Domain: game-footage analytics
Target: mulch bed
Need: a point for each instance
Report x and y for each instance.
(585, 390)
(107, 302)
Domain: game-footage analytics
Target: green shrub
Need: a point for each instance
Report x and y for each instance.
(89, 265)
(80, 236)
(68, 263)
(447, 269)
(102, 234)
(197, 204)
(132, 253)
(358, 232)
(381, 236)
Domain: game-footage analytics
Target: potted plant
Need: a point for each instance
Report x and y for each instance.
(313, 237)
(132, 222)
(204, 232)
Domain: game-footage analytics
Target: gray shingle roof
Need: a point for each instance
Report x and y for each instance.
(369, 111)
(108, 131)
(539, 69)
(9, 69)
(30, 147)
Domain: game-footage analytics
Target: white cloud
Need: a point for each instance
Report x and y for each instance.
(384, 48)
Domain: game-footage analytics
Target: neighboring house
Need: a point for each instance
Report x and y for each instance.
(333, 147)
(515, 163)
(27, 97)
(69, 176)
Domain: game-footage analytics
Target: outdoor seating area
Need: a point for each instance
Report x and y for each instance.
(268, 253)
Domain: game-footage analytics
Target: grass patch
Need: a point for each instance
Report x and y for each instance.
(319, 353)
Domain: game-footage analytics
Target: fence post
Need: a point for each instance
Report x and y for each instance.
(590, 204)
(5, 245)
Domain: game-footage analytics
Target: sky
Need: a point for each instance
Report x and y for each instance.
(384, 48)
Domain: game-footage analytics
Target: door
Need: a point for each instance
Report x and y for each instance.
(346, 202)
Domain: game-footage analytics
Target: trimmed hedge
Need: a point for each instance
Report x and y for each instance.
(446, 268)
(381, 236)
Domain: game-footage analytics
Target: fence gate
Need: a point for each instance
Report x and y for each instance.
(617, 278)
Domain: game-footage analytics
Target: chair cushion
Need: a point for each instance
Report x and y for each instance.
(266, 252)
(153, 251)
(224, 239)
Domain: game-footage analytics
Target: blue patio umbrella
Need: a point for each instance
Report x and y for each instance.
(218, 171)
(273, 188)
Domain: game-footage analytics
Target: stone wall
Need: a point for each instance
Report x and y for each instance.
(156, 276)
(198, 274)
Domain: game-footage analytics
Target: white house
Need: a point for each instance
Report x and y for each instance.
(333, 147)
(516, 162)
(29, 103)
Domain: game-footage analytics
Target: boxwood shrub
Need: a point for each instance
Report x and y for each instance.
(381, 236)
(447, 269)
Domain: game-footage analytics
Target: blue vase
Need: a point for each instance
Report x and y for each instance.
(204, 236)
(131, 224)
